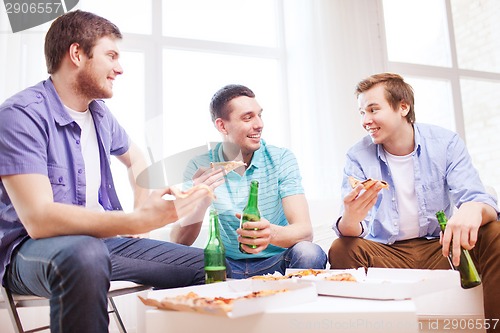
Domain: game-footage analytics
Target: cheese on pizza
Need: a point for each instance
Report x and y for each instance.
(214, 305)
(341, 277)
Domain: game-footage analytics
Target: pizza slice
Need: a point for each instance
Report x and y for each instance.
(192, 302)
(341, 277)
(184, 194)
(366, 183)
(305, 272)
(228, 166)
(298, 274)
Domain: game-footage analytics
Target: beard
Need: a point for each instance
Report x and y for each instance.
(88, 84)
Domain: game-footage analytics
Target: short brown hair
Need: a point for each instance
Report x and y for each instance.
(396, 91)
(218, 104)
(79, 27)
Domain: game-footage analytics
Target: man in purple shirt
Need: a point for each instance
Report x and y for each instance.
(59, 213)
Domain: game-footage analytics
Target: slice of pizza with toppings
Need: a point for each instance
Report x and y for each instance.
(341, 277)
(366, 183)
(192, 302)
(305, 272)
(228, 165)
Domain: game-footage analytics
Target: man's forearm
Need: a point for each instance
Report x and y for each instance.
(349, 228)
(185, 235)
(288, 236)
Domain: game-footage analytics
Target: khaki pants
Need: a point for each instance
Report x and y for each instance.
(420, 253)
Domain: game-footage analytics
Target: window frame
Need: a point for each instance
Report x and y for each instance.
(452, 74)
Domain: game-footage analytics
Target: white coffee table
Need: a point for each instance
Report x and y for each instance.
(326, 314)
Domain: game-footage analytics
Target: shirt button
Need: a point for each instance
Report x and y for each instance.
(38, 96)
(109, 185)
(80, 171)
(60, 179)
(77, 142)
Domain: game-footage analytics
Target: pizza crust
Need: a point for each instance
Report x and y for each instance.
(299, 274)
(184, 194)
(366, 183)
(228, 166)
(192, 302)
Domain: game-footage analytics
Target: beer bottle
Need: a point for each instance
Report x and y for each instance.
(469, 276)
(215, 254)
(251, 212)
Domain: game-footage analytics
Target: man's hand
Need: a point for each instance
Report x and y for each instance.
(187, 230)
(254, 233)
(157, 212)
(357, 204)
(210, 177)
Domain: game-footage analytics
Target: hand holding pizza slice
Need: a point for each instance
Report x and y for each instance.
(185, 194)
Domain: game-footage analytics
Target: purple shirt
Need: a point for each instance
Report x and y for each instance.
(38, 136)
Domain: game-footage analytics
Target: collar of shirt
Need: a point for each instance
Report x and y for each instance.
(61, 116)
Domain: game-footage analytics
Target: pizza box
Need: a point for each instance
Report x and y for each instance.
(293, 293)
(379, 283)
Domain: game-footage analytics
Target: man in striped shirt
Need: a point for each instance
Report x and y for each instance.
(282, 238)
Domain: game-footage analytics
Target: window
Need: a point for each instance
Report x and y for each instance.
(172, 68)
(447, 50)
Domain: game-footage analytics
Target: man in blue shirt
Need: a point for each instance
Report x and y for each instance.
(59, 211)
(428, 169)
(282, 238)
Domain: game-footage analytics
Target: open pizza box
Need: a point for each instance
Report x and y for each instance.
(381, 283)
(287, 293)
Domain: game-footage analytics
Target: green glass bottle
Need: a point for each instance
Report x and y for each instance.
(469, 277)
(215, 254)
(251, 212)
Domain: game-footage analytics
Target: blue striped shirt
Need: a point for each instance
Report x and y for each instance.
(278, 174)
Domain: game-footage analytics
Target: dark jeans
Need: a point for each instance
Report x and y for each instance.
(301, 255)
(353, 252)
(74, 272)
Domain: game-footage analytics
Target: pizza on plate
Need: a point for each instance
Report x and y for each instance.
(366, 183)
(228, 166)
(341, 277)
(192, 302)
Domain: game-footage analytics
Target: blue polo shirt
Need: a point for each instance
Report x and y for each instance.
(278, 174)
(38, 136)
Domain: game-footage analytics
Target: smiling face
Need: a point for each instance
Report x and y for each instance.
(385, 125)
(95, 78)
(244, 126)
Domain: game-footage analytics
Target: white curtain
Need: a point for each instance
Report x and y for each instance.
(331, 45)
(22, 61)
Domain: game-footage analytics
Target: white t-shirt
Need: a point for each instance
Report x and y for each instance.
(90, 152)
(403, 175)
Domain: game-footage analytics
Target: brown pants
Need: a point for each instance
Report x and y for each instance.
(353, 252)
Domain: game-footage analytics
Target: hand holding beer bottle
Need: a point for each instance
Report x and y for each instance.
(251, 212)
(469, 277)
